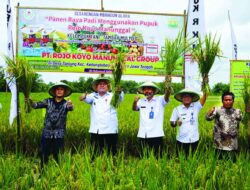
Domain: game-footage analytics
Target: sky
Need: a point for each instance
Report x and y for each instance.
(216, 22)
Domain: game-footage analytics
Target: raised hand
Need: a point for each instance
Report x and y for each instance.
(210, 112)
(83, 97)
(137, 97)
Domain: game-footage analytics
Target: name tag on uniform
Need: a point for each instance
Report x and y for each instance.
(151, 113)
(143, 106)
(183, 116)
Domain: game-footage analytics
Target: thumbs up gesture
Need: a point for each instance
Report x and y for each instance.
(83, 97)
(69, 103)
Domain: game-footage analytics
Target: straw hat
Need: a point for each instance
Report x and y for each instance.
(67, 88)
(148, 84)
(96, 82)
(195, 96)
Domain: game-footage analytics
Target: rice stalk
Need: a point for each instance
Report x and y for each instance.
(205, 53)
(246, 100)
(172, 54)
(22, 71)
(118, 66)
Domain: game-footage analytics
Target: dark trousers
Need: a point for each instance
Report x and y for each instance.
(152, 144)
(187, 147)
(100, 142)
(227, 155)
(50, 146)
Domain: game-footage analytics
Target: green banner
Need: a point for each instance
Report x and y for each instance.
(240, 69)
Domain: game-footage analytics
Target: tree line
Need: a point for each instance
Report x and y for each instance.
(84, 85)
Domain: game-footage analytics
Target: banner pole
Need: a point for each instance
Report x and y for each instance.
(102, 8)
(18, 123)
(19, 141)
(185, 36)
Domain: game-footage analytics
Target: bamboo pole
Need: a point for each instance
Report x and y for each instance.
(18, 140)
(185, 36)
(102, 7)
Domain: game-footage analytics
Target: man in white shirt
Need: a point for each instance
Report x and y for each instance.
(186, 116)
(103, 116)
(151, 116)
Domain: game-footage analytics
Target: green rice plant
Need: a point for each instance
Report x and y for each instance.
(21, 70)
(78, 168)
(78, 171)
(205, 53)
(118, 67)
(246, 100)
(173, 51)
(78, 122)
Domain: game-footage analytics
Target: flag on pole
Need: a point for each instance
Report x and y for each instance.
(234, 42)
(10, 52)
(195, 29)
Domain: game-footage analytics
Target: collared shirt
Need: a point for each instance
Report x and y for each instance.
(151, 117)
(55, 118)
(188, 131)
(226, 128)
(103, 116)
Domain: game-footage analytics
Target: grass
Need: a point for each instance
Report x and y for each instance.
(126, 170)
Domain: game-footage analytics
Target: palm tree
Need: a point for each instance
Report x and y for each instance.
(171, 54)
(205, 53)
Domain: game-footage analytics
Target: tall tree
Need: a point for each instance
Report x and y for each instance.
(219, 88)
(38, 85)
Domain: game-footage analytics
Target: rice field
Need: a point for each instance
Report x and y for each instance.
(78, 170)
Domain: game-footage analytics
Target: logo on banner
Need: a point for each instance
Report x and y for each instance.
(172, 23)
(29, 14)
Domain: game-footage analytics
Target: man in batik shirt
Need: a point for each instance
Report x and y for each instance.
(57, 107)
(226, 128)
